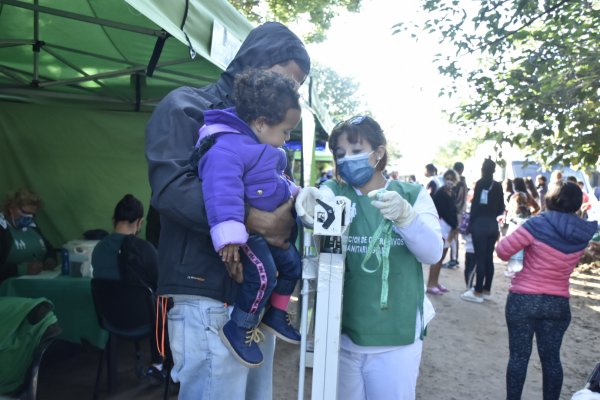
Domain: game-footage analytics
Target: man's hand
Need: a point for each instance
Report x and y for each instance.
(230, 253)
(275, 227)
(235, 271)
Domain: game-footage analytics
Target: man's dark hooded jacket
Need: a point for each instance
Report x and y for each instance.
(187, 261)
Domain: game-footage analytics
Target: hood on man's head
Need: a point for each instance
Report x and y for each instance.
(266, 45)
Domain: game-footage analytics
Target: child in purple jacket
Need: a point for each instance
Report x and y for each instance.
(245, 164)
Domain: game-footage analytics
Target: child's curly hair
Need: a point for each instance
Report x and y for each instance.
(261, 93)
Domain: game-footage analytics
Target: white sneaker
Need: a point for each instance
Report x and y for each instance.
(469, 295)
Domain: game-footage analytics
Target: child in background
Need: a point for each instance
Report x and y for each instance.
(517, 213)
(469, 261)
(244, 164)
(470, 264)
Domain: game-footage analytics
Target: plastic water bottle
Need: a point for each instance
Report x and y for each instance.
(515, 263)
(65, 267)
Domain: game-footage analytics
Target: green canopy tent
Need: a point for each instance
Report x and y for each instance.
(78, 80)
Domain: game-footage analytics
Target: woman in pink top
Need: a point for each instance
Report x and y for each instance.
(538, 302)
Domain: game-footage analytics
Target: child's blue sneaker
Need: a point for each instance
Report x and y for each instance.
(242, 342)
(278, 323)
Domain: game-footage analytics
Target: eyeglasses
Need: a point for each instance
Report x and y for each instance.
(354, 121)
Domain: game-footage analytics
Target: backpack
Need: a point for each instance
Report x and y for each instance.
(131, 262)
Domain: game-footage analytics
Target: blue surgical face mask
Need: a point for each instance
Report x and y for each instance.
(356, 169)
(23, 221)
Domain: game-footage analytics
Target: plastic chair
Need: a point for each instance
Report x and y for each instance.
(126, 311)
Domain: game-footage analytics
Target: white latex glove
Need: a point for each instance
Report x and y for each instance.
(393, 207)
(305, 204)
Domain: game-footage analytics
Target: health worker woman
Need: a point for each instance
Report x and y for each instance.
(384, 315)
(23, 248)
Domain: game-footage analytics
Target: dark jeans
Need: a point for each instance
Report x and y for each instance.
(484, 231)
(267, 269)
(547, 317)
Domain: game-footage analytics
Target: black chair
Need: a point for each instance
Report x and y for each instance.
(126, 311)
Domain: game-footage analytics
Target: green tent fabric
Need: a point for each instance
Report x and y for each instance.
(80, 161)
(77, 86)
(100, 52)
(19, 339)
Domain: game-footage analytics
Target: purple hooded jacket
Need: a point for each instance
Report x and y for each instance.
(238, 169)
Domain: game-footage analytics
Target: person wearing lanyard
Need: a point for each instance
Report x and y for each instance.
(395, 229)
(23, 248)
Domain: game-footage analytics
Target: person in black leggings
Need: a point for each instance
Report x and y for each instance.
(487, 205)
(538, 300)
(547, 317)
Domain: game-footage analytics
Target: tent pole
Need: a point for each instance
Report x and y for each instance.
(36, 47)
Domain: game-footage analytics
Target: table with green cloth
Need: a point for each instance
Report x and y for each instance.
(73, 304)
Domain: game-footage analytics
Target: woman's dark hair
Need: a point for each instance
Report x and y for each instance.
(519, 185)
(261, 93)
(531, 187)
(431, 169)
(128, 209)
(488, 168)
(359, 128)
(564, 197)
(508, 185)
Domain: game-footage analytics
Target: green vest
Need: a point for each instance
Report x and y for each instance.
(26, 245)
(363, 318)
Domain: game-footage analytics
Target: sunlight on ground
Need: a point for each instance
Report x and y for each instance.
(594, 308)
(584, 283)
(584, 294)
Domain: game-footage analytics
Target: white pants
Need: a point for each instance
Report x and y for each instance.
(389, 375)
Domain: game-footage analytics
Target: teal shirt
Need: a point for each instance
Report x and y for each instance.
(363, 318)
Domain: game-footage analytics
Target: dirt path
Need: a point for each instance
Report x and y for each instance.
(466, 350)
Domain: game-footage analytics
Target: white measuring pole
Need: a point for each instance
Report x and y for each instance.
(330, 224)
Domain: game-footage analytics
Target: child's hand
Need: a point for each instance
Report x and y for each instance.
(230, 253)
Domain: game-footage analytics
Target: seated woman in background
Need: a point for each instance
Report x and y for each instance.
(23, 248)
(125, 257)
(141, 265)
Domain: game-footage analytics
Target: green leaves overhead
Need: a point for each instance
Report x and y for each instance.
(532, 67)
(318, 13)
(337, 93)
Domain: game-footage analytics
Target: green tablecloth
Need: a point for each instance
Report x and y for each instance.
(73, 304)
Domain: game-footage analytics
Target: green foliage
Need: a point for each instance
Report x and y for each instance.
(455, 150)
(337, 94)
(537, 83)
(394, 151)
(318, 13)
